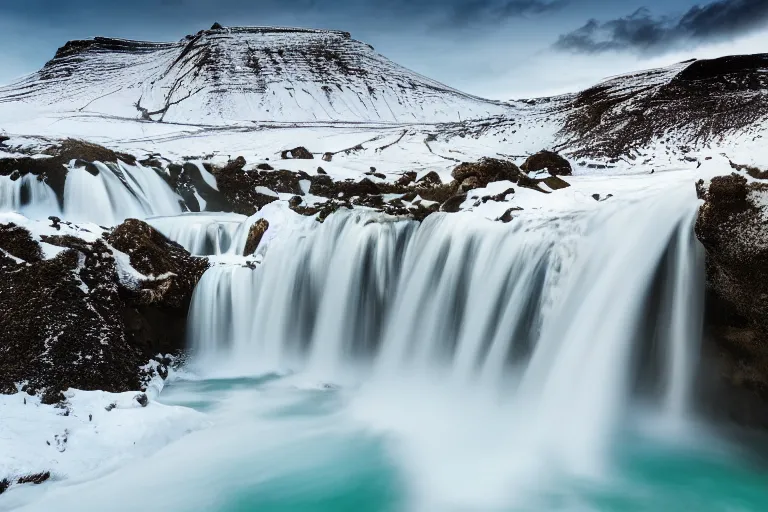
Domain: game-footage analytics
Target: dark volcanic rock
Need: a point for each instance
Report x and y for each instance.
(732, 227)
(188, 179)
(549, 161)
(81, 319)
(156, 309)
(322, 185)
(509, 215)
(453, 204)
(555, 183)
(284, 182)
(255, 233)
(299, 153)
(36, 478)
(61, 323)
(430, 179)
(238, 187)
(486, 171)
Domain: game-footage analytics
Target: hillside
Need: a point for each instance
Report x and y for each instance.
(226, 75)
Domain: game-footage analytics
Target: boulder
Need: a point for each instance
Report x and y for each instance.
(486, 171)
(155, 309)
(299, 153)
(255, 234)
(550, 161)
(453, 204)
(430, 179)
(509, 215)
(555, 182)
(406, 179)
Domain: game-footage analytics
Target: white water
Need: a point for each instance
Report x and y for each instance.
(27, 195)
(204, 234)
(118, 192)
(507, 349)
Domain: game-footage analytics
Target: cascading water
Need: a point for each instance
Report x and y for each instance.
(204, 234)
(540, 318)
(27, 195)
(117, 192)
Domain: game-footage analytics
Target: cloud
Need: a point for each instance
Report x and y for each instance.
(470, 12)
(642, 32)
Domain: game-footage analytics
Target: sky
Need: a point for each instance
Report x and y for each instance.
(500, 49)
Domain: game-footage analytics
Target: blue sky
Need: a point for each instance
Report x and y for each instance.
(494, 48)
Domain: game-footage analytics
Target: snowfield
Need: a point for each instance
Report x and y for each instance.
(92, 434)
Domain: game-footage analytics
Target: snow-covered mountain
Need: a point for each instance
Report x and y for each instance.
(256, 92)
(226, 75)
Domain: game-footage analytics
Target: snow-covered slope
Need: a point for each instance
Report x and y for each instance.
(688, 105)
(226, 75)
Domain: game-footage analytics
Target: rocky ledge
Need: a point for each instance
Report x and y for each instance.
(247, 190)
(87, 311)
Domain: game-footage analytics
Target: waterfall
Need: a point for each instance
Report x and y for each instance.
(551, 306)
(117, 192)
(204, 234)
(517, 345)
(27, 195)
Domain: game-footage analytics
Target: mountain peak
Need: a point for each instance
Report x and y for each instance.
(243, 74)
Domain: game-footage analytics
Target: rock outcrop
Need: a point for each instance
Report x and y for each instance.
(255, 234)
(548, 161)
(733, 227)
(486, 171)
(155, 306)
(87, 313)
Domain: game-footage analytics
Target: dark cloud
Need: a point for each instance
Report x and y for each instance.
(470, 12)
(642, 32)
(445, 12)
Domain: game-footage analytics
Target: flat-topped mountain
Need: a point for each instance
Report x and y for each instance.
(222, 75)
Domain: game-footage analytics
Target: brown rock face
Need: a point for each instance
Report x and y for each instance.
(555, 164)
(60, 323)
(173, 272)
(254, 236)
(732, 225)
(239, 189)
(453, 204)
(76, 319)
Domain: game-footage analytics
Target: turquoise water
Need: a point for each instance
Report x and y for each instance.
(322, 466)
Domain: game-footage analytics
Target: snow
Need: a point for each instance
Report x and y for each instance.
(259, 74)
(88, 441)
